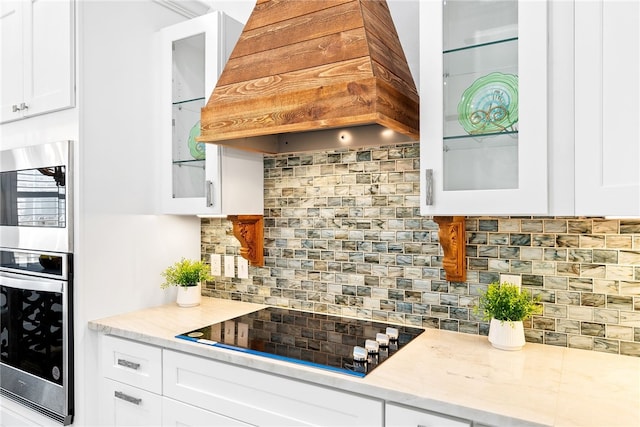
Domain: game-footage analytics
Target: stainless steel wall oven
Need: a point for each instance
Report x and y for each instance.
(36, 197)
(36, 279)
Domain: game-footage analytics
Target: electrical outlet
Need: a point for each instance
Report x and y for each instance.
(216, 265)
(243, 268)
(243, 334)
(229, 332)
(216, 332)
(229, 266)
(514, 279)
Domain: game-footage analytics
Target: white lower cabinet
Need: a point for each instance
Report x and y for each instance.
(179, 414)
(131, 384)
(402, 416)
(146, 385)
(143, 384)
(124, 405)
(263, 399)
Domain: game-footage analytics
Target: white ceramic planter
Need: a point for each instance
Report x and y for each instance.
(506, 335)
(189, 296)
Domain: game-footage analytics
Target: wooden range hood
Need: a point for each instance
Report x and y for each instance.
(313, 75)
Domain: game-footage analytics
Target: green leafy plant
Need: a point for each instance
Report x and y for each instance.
(186, 272)
(505, 302)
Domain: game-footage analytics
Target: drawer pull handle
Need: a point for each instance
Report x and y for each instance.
(127, 398)
(128, 364)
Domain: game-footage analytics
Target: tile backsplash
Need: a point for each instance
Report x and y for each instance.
(344, 235)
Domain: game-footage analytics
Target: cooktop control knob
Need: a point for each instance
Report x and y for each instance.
(392, 333)
(382, 339)
(360, 354)
(372, 346)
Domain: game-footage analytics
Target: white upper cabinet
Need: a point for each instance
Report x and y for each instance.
(198, 178)
(573, 146)
(36, 57)
(607, 107)
(483, 93)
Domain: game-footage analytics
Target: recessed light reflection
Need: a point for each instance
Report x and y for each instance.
(345, 137)
(387, 133)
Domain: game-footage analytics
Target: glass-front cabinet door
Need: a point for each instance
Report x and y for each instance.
(199, 178)
(188, 97)
(483, 74)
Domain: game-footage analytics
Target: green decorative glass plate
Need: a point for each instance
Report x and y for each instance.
(490, 104)
(197, 149)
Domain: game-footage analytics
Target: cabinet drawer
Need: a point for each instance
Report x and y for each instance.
(132, 363)
(262, 399)
(124, 405)
(400, 416)
(178, 414)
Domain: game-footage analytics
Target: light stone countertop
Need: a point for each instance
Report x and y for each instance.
(451, 373)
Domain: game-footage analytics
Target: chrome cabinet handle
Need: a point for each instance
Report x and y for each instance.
(208, 189)
(128, 364)
(429, 187)
(15, 107)
(127, 398)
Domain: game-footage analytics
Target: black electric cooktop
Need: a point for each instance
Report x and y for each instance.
(339, 344)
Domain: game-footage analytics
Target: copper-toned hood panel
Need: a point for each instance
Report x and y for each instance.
(314, 65)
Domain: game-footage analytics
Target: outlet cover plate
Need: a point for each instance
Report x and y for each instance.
(514, 279)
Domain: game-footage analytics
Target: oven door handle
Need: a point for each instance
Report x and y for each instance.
(22, 281)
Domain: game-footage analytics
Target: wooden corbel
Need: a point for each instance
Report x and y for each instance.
(453, 241)
(249, 230)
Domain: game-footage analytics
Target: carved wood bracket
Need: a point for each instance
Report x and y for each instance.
(249, 230)
(453, 242)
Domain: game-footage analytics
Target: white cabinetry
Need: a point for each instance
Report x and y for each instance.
(483, 82)
(146, 385)
(258, 398)
(576, 151)
(201, 178)
(402, 416)
(607, 107)
(131, 386)
(36, 57)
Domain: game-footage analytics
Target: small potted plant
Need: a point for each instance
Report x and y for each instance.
(188, 276)
(506, 306)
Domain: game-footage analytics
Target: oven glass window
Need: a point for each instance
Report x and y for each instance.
(33, 197)
(31, 337)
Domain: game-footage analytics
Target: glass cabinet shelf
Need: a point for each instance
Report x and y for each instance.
(480, 137)
(192, 163)
(187, 101)
(475, 46)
